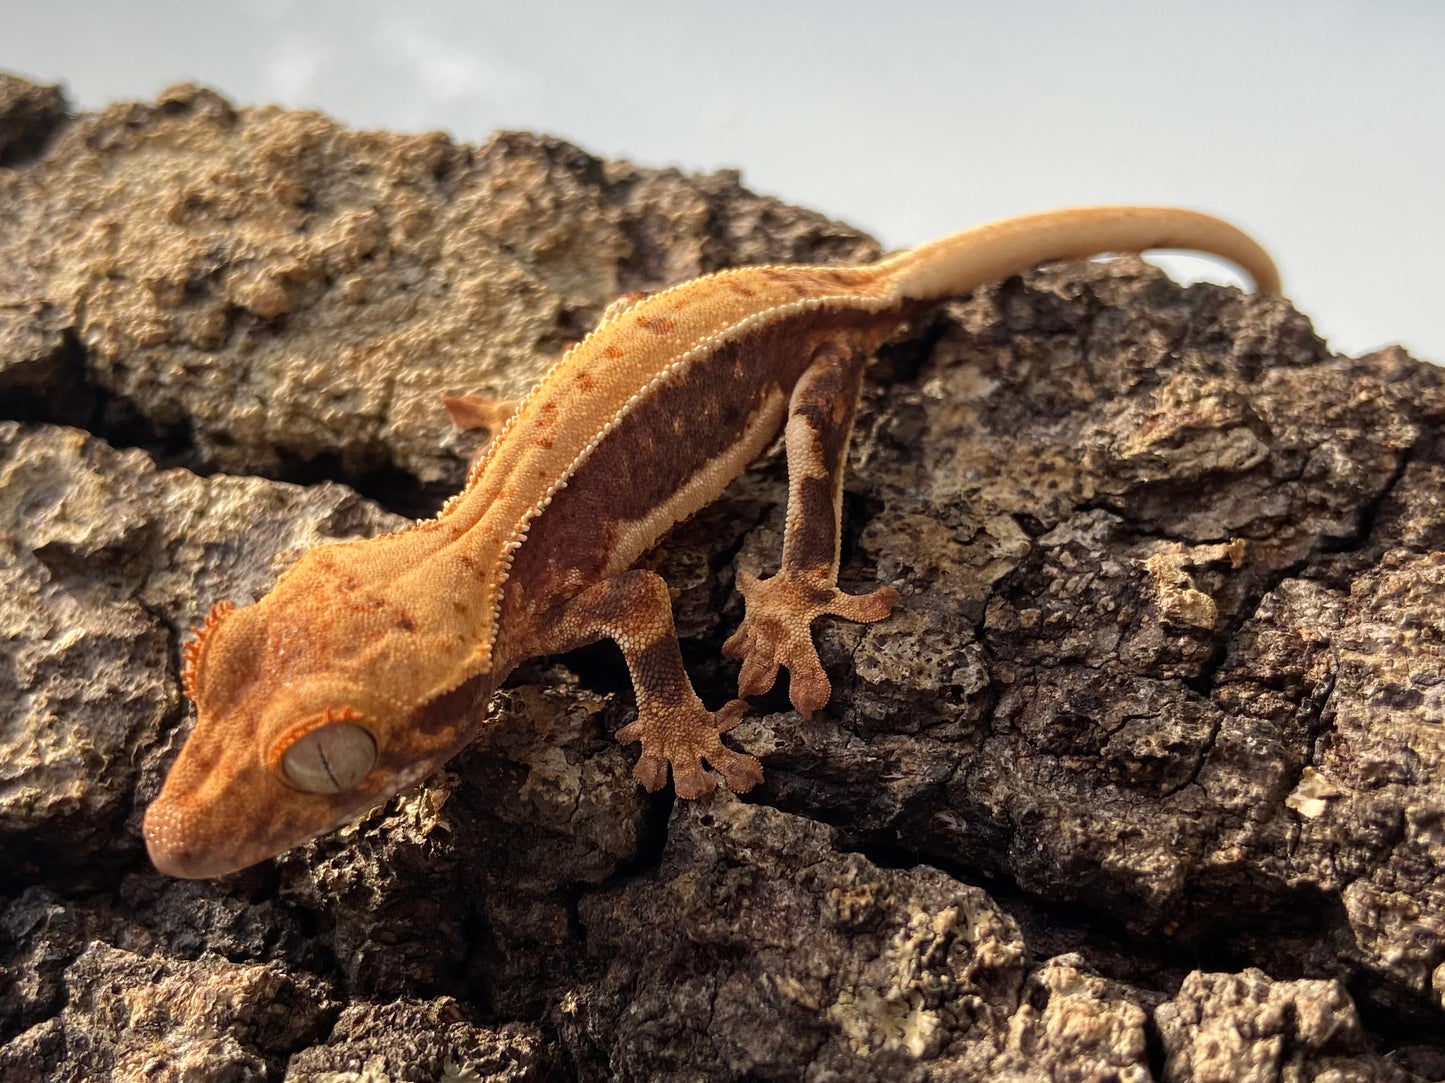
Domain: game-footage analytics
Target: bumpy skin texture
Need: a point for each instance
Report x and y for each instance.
(386, 650)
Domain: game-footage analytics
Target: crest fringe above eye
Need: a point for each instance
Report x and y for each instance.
(191, 652)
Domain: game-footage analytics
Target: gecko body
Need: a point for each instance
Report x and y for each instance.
(370, 663)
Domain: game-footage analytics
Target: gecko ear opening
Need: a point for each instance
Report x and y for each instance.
(329, 753)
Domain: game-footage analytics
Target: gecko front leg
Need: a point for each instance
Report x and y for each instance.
(777, 628)
(634, 609)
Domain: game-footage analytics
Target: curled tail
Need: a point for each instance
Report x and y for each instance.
(987, 253)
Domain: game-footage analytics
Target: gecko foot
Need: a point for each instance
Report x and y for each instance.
(684, 736)
(777, 631)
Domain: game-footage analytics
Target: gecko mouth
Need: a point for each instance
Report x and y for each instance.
(198, 837)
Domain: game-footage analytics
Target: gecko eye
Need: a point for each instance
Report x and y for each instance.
(329, 759)
(330, 752)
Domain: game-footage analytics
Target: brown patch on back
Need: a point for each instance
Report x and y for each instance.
(584, 380)
(658, 325)
(647, 458)
(612, 353)
(803, 280)
(642, 463)
(640, 466)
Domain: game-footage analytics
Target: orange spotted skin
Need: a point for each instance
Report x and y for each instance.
(370, 663)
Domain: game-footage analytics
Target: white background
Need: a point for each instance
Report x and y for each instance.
(1318, 126)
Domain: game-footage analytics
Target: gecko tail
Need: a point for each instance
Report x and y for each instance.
(988, 253)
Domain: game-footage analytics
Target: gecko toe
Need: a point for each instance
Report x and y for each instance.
(691, 781)
(740, 771)
(758, 674)
(651, 771)
(738, 644)
(808, 687)
(730, 714)
(863, 608)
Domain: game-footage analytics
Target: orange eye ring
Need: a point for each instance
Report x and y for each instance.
(192, 651)
(326, 754)
(297, 730)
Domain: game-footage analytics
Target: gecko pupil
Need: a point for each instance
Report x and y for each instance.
(321, 755)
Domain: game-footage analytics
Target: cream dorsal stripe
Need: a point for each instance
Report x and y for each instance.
(675, 369)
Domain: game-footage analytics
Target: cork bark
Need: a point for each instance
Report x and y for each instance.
(1143, 780)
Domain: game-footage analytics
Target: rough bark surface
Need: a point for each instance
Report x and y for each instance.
(1143, 779)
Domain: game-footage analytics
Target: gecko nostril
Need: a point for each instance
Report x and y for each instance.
(170, 839)
(161, 829)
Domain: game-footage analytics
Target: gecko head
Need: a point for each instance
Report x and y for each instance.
(293, 736)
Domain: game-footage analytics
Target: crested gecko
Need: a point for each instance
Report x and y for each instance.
(370, 663)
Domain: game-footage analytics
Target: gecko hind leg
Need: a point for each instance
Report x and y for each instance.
(470, 412)
(484, 412)
(634, 609)
(479, 411)
(777, 627)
